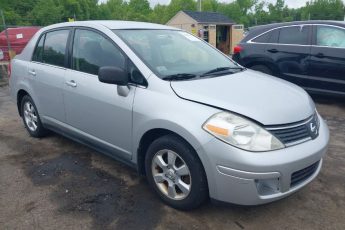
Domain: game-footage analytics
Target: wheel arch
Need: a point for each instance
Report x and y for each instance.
(155, 129)
(152, 134)
(20, 94)
(146, 140)
(19, 90)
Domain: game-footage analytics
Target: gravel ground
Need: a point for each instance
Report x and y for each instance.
(55, 183)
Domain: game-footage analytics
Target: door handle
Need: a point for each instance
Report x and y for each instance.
(273, 50)
(320, 55)
(71, 83)
(32, 72)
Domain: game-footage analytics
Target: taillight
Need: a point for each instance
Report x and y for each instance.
(237, 49)
(9, 69)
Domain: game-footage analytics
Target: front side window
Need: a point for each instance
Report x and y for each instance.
(330, 36)
(169, 52)
(295, 35)
(91, 51)
(55, 47)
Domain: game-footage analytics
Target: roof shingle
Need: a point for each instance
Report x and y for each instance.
(209, 17)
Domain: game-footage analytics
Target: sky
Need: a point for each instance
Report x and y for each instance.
(290, 3)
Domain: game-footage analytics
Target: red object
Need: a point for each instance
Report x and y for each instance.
(9, 70)
(237, 49)
(18, 38)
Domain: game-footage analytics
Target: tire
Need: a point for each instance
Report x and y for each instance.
(262, 68)
(175, 176)
(31, 119)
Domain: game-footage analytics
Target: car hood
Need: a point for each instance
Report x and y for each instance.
(266, 99)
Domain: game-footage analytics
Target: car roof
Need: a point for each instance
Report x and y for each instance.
(256, 30)
(114, 24)
(342, 23)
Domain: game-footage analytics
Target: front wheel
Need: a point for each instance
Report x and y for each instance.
(175, 173)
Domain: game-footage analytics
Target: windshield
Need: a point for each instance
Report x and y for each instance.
(174, 53)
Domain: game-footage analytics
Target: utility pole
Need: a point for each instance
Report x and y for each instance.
(199, 5)
(311, 2)
(6, 33)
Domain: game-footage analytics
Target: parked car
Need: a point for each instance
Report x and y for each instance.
(197, 124)
(18, 38)
(310, 54)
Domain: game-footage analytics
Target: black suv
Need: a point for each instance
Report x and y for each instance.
(310, 54)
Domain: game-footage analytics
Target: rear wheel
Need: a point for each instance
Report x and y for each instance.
(31, 118)
(176, 173)
(262, 68)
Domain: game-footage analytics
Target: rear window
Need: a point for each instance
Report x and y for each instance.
(295, 35)
(55, 47)
(37, 56)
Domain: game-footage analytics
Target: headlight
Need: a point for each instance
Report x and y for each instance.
(241, 133)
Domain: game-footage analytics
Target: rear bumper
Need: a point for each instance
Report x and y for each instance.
(247, 178)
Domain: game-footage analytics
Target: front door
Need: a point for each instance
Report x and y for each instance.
(328, 60)
(95, 109)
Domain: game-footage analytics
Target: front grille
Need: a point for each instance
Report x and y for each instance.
(303, 174)
(292, 135)
(297, 132)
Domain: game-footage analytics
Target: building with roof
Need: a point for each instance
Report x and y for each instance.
(215, 28)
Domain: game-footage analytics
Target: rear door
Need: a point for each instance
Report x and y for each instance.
(47, 70)
(291, 53)
(327, 63)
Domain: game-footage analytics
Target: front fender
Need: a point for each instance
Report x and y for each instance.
(161, 110)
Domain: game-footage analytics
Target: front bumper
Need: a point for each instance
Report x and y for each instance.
(248, 178)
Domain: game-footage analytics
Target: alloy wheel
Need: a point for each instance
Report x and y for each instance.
(171, 174)
(30, 116)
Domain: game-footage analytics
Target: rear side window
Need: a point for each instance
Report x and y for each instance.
(330, 36)
(295, 35)
(269, 37)
(37, 56)
(91, 51)
(55, 47)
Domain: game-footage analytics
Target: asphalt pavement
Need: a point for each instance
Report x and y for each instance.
(55, 183)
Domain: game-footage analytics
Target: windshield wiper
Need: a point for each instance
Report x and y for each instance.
(179, 76)
(220, 70)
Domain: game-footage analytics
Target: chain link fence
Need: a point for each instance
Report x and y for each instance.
(12, 43)
(3, 73)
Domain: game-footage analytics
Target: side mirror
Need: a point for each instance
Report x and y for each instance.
(113, 75)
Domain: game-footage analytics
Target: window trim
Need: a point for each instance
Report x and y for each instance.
(127, 59)
(250, 41)
(314, 38)
(66, 49)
